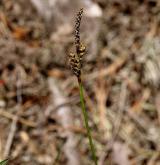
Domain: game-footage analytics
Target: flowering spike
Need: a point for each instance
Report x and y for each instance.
(75, 59)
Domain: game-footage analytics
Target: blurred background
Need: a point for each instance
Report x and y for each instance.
(40, 115)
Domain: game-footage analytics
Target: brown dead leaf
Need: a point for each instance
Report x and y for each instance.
(34, 43)
(20, 32)
(138, 104)
(24, 136)
(57, 73)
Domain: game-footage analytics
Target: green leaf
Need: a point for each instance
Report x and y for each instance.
(4, 162)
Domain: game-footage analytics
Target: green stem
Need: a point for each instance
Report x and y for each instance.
(86, 122)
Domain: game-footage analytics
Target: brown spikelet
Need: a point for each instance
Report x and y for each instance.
(75, 59)
(81, 51)
(75, 64)
(77, 28)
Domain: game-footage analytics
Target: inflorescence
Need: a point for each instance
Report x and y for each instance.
(75, 59)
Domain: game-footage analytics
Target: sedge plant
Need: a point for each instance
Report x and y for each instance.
(75, 61)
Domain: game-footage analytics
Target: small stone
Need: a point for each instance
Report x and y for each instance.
(2, 103)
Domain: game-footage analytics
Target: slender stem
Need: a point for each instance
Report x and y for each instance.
(86, 122)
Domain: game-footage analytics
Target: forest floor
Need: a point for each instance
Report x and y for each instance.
(40, 115)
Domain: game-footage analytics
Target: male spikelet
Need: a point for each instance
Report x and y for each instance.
(75, 59)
